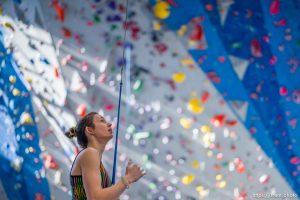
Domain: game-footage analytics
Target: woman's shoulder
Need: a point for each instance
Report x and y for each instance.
(89, 154)
(89, 150)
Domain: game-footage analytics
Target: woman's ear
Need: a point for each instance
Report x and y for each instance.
(89, 130)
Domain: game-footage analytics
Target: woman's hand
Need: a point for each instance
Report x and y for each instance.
(134, 172)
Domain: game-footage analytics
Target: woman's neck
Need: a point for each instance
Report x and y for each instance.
(98, 146)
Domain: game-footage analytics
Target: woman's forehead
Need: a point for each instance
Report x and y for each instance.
(97, 116)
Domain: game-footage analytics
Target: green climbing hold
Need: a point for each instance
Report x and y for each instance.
(97, 19)
(138, 86)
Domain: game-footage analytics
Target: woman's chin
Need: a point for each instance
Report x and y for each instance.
(107, 137)
(111, 136)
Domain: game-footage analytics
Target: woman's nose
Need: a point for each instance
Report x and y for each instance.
(109, 124)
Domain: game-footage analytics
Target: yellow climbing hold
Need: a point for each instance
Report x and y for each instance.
(26, 118)
(162, 10)
(205, 129)
(156, 25)
(222, 184)
(219, 177)
(182, 30)
(195, 164)
(186, 122)
(179, 77)
(16, 92)
(199, 188)
(187, 61)
(187, 179)
(12, 79)
(9, 25)
(195, 106)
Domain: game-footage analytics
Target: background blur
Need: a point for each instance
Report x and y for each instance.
(210, 102)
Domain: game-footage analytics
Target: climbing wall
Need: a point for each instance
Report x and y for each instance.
(180, 119)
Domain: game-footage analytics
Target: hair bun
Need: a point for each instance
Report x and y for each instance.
(71, 133)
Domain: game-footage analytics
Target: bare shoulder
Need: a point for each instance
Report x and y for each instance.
(89, 155)
(89, 150)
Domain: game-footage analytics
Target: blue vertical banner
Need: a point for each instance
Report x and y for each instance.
(21, 171)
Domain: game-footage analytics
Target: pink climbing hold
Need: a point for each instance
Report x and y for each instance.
(295, 160)
(161, 47)
(39, 196)
(66, 32)
(231, 123)
(256, 48)
(171, 2)
(274, 7)
(56, 72)
(266, 39)
(77, 38)
(253, 130)
(221, 59)
(281, 22)
(213, 76)
(109, 107)
(205, 96)
(283, 91)
(197, 33)
(273, 60)
(293, 123)
(50, 163)
(209, 7)
(239, 165)
(84, 66)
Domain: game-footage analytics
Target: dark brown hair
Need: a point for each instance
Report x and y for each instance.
(79, 130)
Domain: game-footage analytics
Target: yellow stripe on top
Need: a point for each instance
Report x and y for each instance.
(106, 182)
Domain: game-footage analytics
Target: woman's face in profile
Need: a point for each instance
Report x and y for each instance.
(103, 129)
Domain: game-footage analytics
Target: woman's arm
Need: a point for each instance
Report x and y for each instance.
(91, 179)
